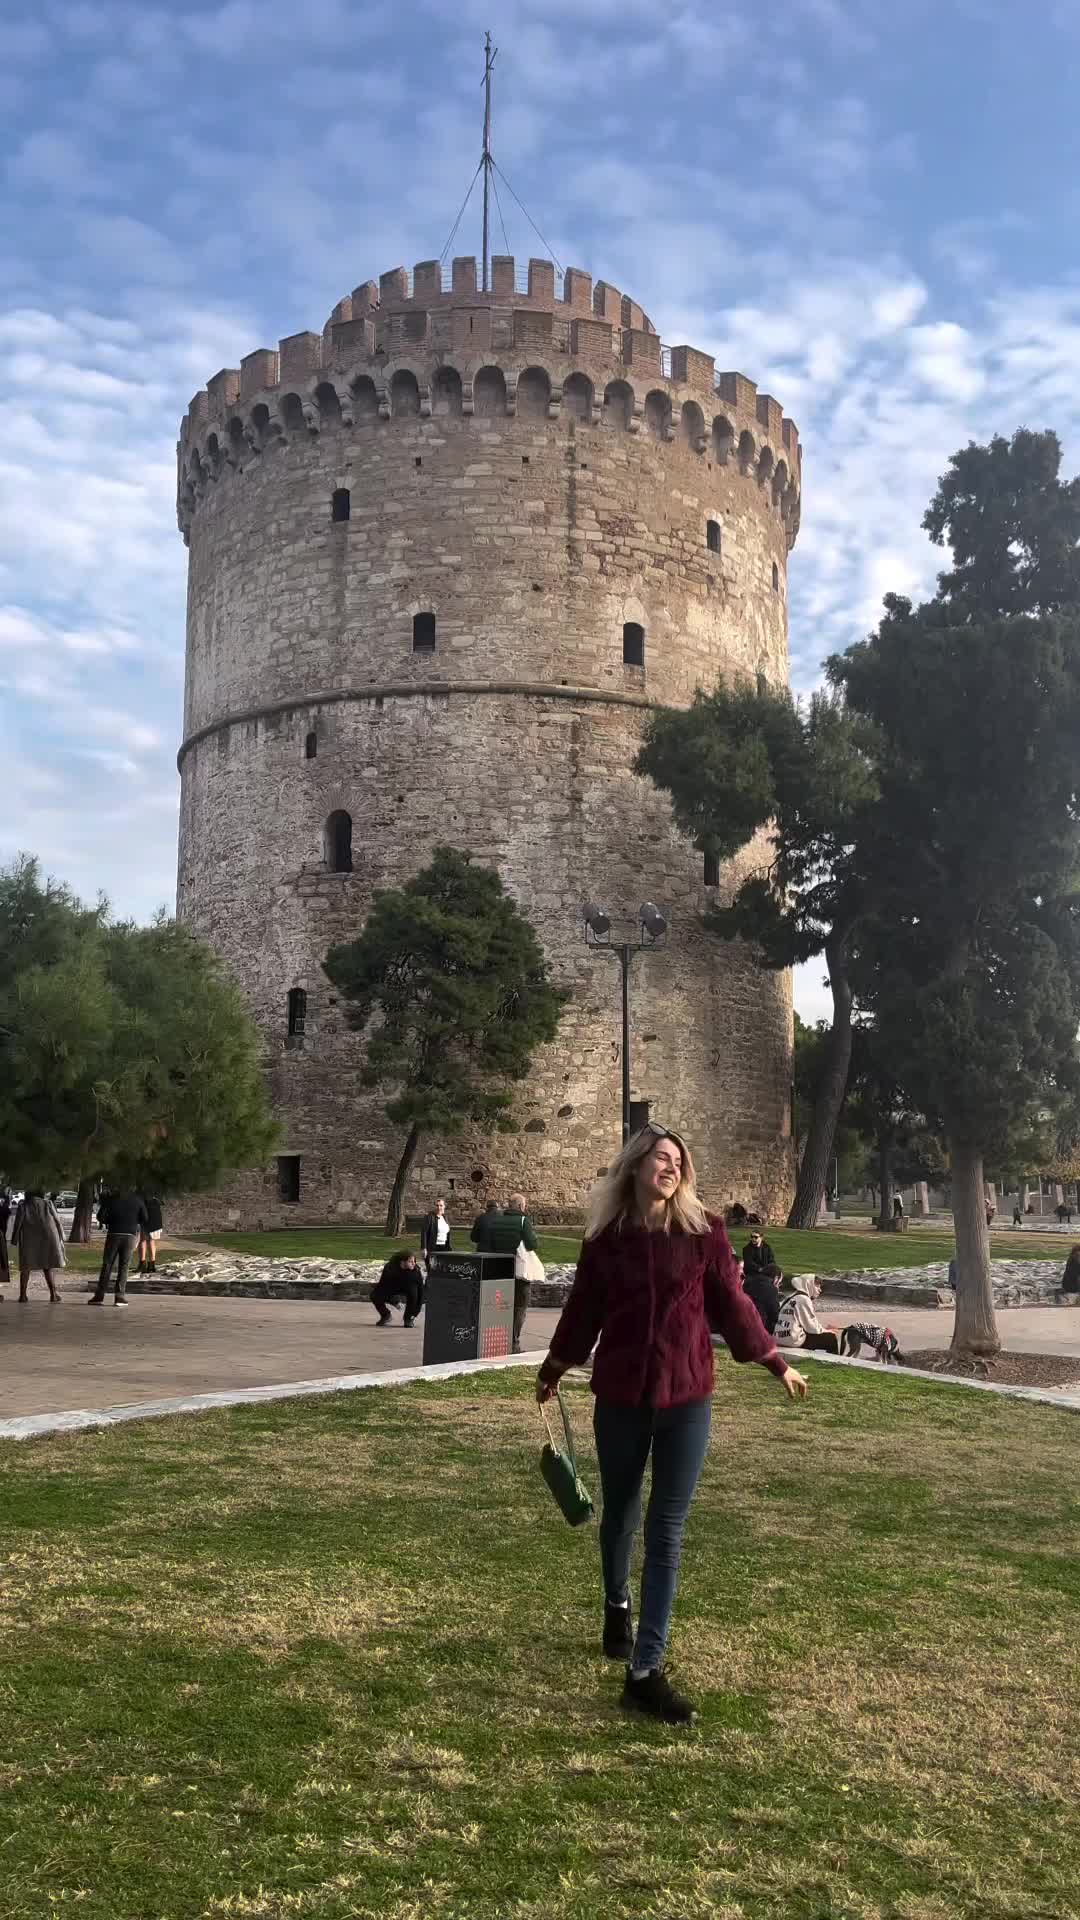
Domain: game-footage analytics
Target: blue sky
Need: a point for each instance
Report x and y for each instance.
(867, 207)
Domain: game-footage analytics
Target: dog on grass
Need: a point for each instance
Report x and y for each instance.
(863, 1333)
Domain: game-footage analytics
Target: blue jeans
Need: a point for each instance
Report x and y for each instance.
(678, 1438)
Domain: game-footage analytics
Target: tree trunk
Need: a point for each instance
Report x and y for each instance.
(975, 1328)
(817, 1153)
(395, 1212)
(82, 1220)
(886, 1141)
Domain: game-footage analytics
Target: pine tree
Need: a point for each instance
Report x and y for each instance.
(449, 984)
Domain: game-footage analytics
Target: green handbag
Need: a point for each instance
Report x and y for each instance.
(560, 1471)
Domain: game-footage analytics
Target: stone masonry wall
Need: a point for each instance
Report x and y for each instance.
(532, 532)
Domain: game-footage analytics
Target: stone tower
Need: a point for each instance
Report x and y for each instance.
(444, 556)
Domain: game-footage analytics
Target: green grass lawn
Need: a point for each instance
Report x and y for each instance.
(338, 1658)
(823, 1250)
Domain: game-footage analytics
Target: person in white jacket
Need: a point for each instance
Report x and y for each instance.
(798, 1325)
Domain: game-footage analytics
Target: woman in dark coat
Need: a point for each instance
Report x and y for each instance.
(1070, 1279)
(655, 1271)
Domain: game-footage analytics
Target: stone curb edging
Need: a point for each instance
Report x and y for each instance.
(30, 1426)
(1050, 1397)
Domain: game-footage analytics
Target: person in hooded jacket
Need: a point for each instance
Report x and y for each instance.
(655, 1271)
(798, 1324)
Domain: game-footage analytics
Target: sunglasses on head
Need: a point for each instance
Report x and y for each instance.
(663, 1133)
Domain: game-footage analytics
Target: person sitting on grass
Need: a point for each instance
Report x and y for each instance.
(798, 1325)
(1070, 1279)
(655, 1271)
(402, 1283)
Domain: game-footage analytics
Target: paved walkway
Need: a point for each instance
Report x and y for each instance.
(54, 1359)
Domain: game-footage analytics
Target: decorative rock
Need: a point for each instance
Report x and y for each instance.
(1017, 1283)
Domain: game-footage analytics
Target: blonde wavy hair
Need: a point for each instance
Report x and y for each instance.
(613, 1198)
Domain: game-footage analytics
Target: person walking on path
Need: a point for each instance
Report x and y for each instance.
(124, 1217)
(505, 1232)
(1070, 1279)
(1018, 1218)
(655, 1270)
(434, 1234)
(37, 1233)
(402, 1284)
(150, 1234)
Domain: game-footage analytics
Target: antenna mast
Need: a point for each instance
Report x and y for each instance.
(486, 160)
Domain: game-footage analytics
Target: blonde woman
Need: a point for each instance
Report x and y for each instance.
(655, 1271)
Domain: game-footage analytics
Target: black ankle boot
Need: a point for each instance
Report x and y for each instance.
(618, 1631)
(655, 1695)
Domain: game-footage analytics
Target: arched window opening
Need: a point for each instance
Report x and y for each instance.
(446, 392)
(339, 503)
(404, 394)
(292, 412)
(365, 399)
(775, 577)
(692, 422)
(746, 451)
(618, 406)
(712, 535)
(297, 1012)
(311, 746)
(213, 454)
(657, 414)
(423, 633)
(489, 391)
(326, 399)
(633, 644)
(723, 440)
(237, 443)
(712, 869)
(577, 396)
(533, 394)
(765, 467)
(779, 484)
(338, 842)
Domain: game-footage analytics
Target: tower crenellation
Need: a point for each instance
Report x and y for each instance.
(604, 361)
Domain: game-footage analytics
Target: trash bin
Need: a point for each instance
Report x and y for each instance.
(468, 1307)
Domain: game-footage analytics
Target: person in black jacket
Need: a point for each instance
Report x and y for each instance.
(150, 1234)
(123, 1216)
(761, 1279)
(435, 1234)
(401, 1282)
(1070, 1279)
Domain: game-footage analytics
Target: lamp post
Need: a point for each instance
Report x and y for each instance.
(652, 927)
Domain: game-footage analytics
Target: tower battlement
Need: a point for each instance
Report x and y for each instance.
(424, 343)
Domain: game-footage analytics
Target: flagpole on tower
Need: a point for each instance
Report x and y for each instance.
(486, 159)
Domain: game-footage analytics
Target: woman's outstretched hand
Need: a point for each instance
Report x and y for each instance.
(794, 1384)
(545, 1391)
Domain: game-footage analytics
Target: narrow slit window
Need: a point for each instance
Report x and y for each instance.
(423, 633)
(288, 1177)
(297, 1012)
(712, 870)
(311, 746)
(339, 503)
(775, 577)
(633, 644)
(712, 535)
